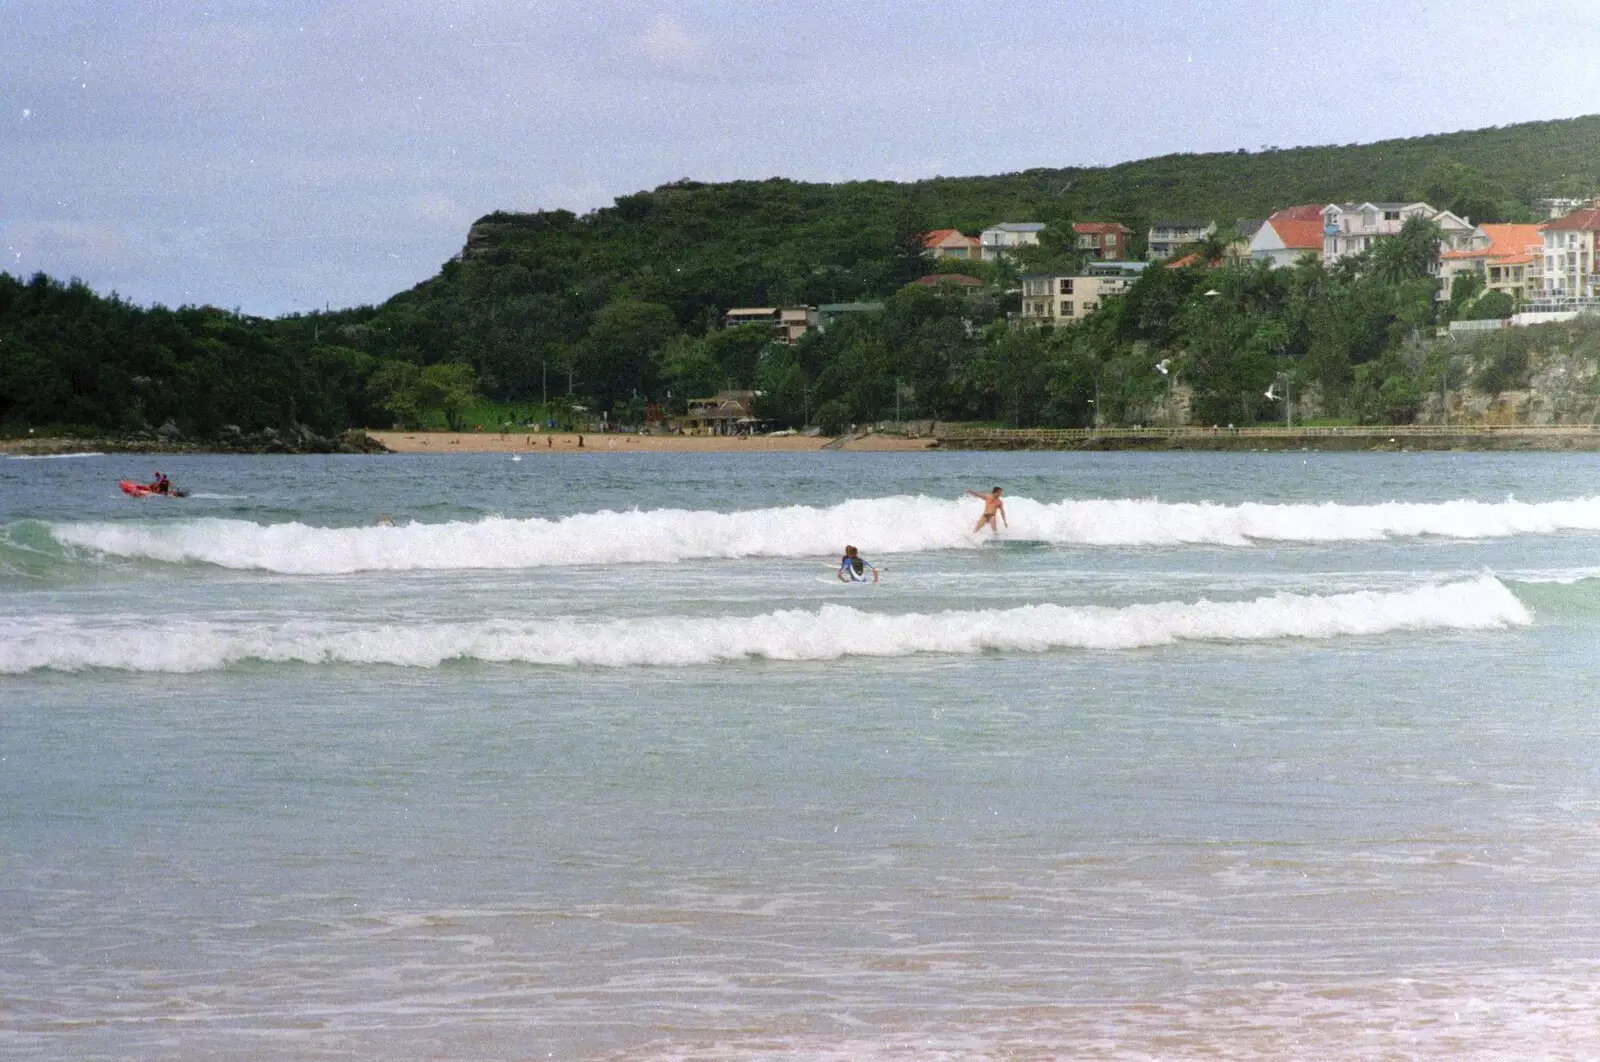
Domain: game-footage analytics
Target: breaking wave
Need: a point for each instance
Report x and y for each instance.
(50, 457)
(901, 524)
(829, 633)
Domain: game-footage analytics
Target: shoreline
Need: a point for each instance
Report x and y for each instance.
(434, 442)
(1407, 438)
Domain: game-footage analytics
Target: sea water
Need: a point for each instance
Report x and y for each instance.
(588, 756)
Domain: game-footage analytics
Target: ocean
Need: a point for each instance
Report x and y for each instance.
(590, 757)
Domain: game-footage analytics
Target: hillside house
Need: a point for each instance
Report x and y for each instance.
(788, 323)
(1572, 256)
(949, 243)
(1165, 237)
(1002, 239)
(1510, 260)
(1058, 300)
(1351, 228)
(1289, 235)
(1105, 240)
(1238, 250)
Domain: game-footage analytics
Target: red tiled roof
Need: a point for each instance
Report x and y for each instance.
(1584, 220)
(1308, 212)
(939, 236)
(1508, 244)
(1298, 234)
(1186, 260)
(1097, 228)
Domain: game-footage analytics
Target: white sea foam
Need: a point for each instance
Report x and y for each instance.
(51, 457)
(829, 633)
(883, 525)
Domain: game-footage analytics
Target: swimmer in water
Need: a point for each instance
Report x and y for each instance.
(853, 569)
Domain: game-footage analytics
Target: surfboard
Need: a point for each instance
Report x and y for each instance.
(1014, 543)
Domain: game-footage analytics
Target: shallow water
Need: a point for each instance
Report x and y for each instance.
(585, 757)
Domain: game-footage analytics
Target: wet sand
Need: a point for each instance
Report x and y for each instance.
(423, 442)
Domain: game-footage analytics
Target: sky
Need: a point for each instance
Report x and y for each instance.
(282, 156)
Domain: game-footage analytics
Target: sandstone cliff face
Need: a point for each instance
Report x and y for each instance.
(1556, 378)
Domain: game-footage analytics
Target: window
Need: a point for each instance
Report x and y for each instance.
(1066, 285)
(1066, 309)
(1391, 215)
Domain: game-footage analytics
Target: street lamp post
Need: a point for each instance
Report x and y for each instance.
(1288, 402)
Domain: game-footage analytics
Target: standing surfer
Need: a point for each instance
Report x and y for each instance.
(992, 507)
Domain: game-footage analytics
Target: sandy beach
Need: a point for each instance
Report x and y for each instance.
(422, 442)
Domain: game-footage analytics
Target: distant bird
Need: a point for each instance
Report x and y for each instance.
(1270, 391)
(1161, 366)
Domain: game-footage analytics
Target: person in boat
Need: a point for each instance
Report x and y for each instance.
(853, 567)
(992, 507)
(161, 485)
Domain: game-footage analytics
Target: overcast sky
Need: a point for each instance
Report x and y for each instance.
(284, 155)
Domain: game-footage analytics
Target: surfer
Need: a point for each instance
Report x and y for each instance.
(992, 507)
(853, 568)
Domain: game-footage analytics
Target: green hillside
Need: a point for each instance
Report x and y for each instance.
(622, 306)
(700, 248)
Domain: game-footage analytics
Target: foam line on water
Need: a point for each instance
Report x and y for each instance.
(51, 457)
(900, 524)
(829, 633)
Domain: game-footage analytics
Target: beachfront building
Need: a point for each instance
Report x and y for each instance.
(1289, 235)
(949, 243)
(1572, 256)
(1058, 300)
(724, 413)
(1165, 237)
(997, 241)
(1351, 228)
(1104, 240)
(1509, 259)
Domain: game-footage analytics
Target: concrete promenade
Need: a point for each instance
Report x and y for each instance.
(1574, 437)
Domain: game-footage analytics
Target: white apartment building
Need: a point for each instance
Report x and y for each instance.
(1165, 237)
(1351, 228)
(1057, 300)
(1572, 256)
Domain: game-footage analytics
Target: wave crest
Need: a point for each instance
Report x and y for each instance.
(829, 633)
(883, 525)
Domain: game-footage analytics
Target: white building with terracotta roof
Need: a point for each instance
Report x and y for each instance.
(1289, 235)
(1572, 256)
